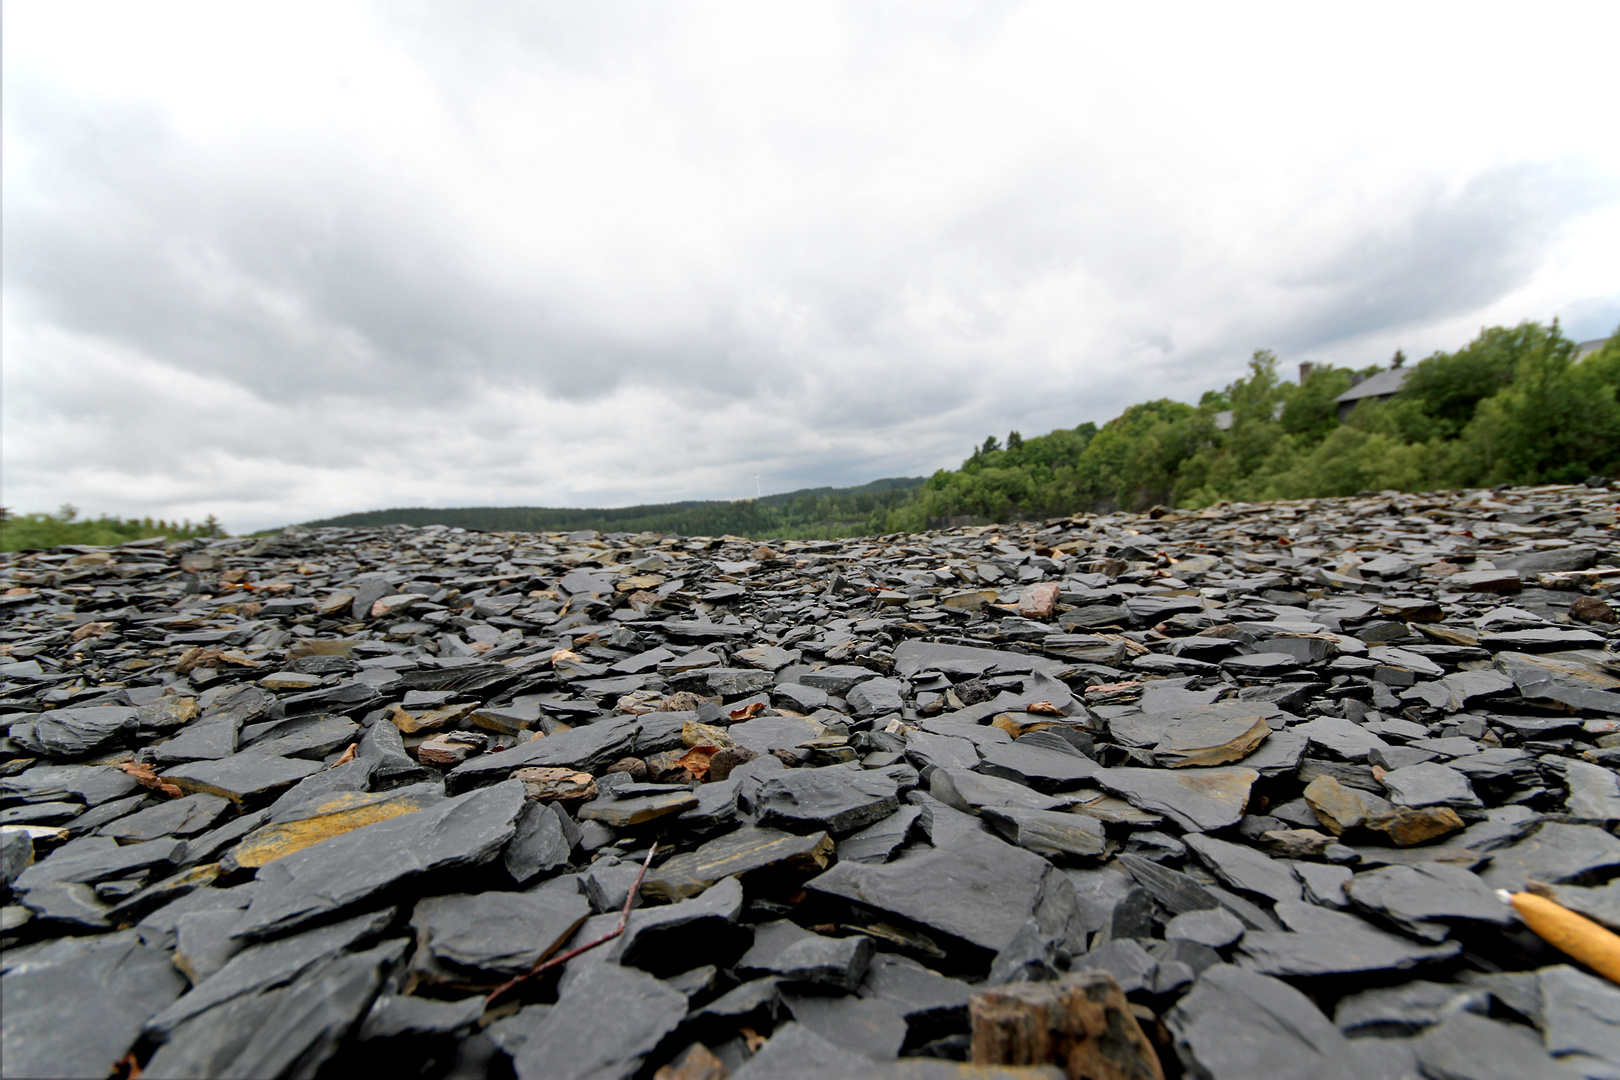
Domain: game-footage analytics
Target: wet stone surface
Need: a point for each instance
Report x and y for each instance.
(292, 805)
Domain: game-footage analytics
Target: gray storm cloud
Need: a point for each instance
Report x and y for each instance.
(532, 254)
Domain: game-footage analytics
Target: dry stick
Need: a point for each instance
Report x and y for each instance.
(544, 965)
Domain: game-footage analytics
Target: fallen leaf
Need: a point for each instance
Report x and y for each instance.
(749, 712)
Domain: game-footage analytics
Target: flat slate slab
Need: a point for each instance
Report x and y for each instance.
(994, 888)
(836, 800)
(742, 851)
(241, 777)
(589, 747)
(1320, 941)
(1198, 800)
(335, 874)
(78, 1005)
(1239, 1025)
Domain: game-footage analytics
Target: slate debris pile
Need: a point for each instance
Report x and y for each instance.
(297, 804)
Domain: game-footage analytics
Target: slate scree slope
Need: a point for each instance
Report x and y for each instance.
(295, 806)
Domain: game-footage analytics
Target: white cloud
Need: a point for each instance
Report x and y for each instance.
(277, 262)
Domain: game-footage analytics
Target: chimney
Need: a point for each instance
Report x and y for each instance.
(1305, 370)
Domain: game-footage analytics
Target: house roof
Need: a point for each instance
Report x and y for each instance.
(1380, 385)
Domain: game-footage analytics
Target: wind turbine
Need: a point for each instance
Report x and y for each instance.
(757, 495)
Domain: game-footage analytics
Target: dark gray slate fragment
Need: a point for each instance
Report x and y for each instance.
(994, 889)
(1199, 800)
(767, 733)
(499, 932)
(1325, 942)
(928, 1000)
(323, 879)
(910, 657)
(1580, 1017)
(180, 817)
(203, 740)
(873, 1029)
(838, 679)
(827, 961)
(605, 1023)
(305, 736)
(1394, 1011)
(1047, 832)
(1411, 896)
(681, 936)
(1214, 927)
(738, 852)
(393, 1015)
(76, 1006)
(1236, 1025)
(878, 842)
(876, 697)
(1469, 1047)
(836, 798)
(203, 941)
(796, 1052)
(291, 1031)
(590, 747)
(543, 839)
(99, 858)
(969, 791)
(1245, 869)
(66, 733)
(381, 752)
(88, 784)
(1555, 853)
(1429, 784)
(1041, 769)
(266, 965)
(241, 777)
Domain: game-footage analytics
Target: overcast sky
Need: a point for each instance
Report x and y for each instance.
(281, 261)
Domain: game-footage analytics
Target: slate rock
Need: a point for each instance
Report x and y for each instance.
(603, 1025)
(995, 888)
(322, 880)
(1199, 800)
(543, 840)
(796, 1052)
(742, 851)
(1036, 767)
(1410, 896)
(293, 1030)
(76, 1006)
(839, 800)
(1245, 869)
(1429, 784)
(878, 842)
(242, 778)
(1046, 832)
(680, 936)
(1214, 927)
(872, 1028)
(263, 966)
(179, 817)
(1555, 853)
(1469, 1047)
(1239, 1025)
(495, 933)
(74, 732)
(1324, 942)
(589, 747)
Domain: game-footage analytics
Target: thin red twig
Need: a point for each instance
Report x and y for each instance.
(555, 961)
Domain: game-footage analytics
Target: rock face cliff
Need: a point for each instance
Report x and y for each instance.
(274, 806)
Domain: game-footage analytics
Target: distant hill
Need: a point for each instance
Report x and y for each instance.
(809, 514)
